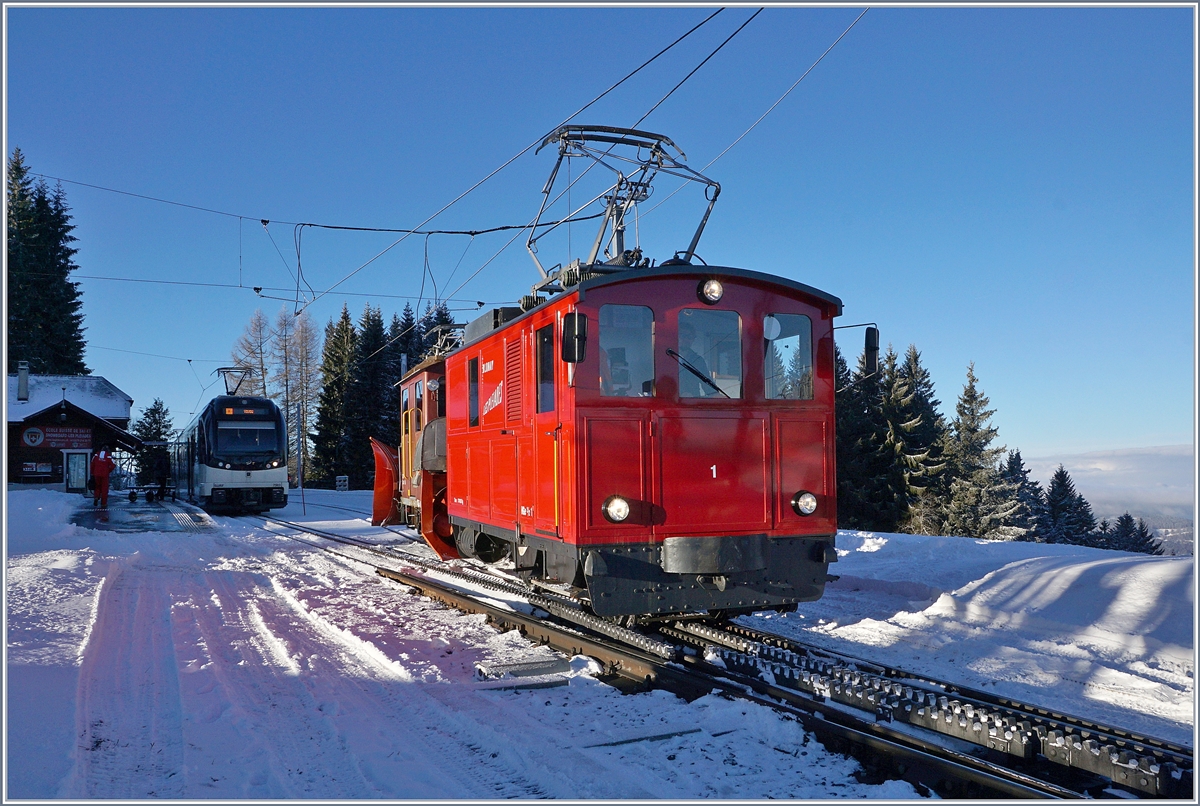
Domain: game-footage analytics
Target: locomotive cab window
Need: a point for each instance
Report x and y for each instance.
(709, 354)
(440, 393)
(404, 409)
(473, 391)
(418, 406)
(788, 357)
(545, 369)
(626, 351)
(249, 436)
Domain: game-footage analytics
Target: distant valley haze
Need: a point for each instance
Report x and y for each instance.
(1156, 484)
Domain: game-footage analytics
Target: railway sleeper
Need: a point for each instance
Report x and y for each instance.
(995, 730)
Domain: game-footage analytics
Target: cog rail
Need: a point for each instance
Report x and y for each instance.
(1028, 734)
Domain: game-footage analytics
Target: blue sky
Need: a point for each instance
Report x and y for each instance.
(1012, 186)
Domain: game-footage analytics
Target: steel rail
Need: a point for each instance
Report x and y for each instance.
(978, 695)
(1018, 731)
(646, 661)
(930, 764)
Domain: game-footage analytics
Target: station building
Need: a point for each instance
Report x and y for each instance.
(57, 422)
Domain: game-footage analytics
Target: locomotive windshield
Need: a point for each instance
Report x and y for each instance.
(710, 353)
(788, 356)
(246, 436)
(626, 351)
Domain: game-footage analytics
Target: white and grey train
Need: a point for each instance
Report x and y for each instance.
(233, 456)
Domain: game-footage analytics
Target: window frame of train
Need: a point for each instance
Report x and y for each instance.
(544, 366)
(638, 336)
(786, 388)
(473, 392)
(721, 319)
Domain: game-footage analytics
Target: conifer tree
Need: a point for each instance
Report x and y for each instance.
(1067, 517)
(295, 379)
(366, 398)
(411, 338)
(395, 366)
(866, 493)
(45, 318)
(330, 440)
(927, 482)
(901, 419)
(155, 425)
(1126, 535)
(1030, 498)
(980, 499)
(1144, 541)
(251, 352)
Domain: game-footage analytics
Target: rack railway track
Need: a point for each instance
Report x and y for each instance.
(933, 733)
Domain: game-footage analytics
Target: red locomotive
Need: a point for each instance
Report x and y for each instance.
(654, 440)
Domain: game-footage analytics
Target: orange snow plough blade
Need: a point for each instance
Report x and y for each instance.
(385, 509)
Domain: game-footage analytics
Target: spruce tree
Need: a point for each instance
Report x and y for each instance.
(330, 440)
(155, 425)
(980, 499)
(395, 364)
(366, 397)
(927, 482)
(1144, 541)
(901, 418)
(866, 494)
(45, 309)
(411, 338)
(1127, 535)
(1067, 517)
(1030, 498)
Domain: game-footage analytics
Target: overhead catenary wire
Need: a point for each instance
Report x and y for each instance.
(519, 154)
(770, 109)
(682, 81)
(405, 233)
(156, 355)
(479, 303)
(571, 182)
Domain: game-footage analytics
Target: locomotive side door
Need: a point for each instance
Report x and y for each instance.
(547, 430)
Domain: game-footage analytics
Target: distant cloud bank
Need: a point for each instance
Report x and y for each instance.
(1152, 483)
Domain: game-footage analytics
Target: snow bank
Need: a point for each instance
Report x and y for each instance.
(1090, 632)
(238, 664)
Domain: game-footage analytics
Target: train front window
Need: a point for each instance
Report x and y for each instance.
(626, 351)
(788, 356)
(545, 369)
(709, 354)
(250, 436)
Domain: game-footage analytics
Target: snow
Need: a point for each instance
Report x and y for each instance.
(234, 663)
(92, 393)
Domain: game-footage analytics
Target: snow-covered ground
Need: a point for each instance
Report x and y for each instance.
(237, 664)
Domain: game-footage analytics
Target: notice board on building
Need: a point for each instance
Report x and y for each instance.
(58, 437)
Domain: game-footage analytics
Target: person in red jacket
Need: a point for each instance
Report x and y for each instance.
(102, 467)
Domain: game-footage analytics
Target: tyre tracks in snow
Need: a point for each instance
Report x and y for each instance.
(222, 683)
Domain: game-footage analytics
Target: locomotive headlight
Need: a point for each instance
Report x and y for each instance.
(711, 291)
(616, 509)
(804, 503)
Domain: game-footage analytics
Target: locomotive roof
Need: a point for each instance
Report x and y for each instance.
(662, 271)
(728, 271)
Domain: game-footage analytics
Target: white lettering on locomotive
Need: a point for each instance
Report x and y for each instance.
(488, 365)
(494, 400)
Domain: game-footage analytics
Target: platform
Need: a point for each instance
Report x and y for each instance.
(140, 516)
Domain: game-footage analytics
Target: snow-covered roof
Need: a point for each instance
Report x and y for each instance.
(92, 393)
